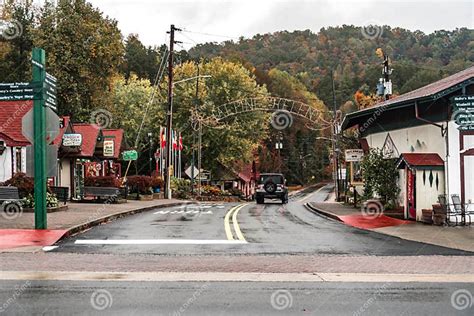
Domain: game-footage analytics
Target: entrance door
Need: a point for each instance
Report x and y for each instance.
(411, 194)
(468, 179)
(78, 180)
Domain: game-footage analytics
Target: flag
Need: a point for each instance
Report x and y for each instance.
(175, 143)
(180, 145)
(163, 137)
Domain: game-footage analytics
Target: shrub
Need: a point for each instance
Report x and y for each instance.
(180, 188)
(29, 200)
(141, 183)
(210, 190)
(380, 177)
(25, 184)
(106, 181)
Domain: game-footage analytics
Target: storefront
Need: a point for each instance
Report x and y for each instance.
(423, 130)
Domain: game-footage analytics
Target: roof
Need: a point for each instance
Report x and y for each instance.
(420, 160)
(11, 115)
(66, 125)
(117, 134)
(89, 133)
(432, 91)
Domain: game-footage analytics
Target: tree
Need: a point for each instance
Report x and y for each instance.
(238, 138)
(380, 177)
(15, 52)
(140, 60)
(84, 50)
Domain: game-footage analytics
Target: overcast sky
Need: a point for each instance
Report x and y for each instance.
(228, 19)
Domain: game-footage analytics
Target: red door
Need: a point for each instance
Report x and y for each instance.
(411, 196)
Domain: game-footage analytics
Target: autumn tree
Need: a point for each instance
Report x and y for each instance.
(84, 50)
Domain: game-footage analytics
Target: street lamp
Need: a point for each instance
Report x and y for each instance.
(170, 128)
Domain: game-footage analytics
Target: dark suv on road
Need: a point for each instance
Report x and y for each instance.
(271, 185)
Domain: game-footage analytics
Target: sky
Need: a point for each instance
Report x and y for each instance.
(230, 19)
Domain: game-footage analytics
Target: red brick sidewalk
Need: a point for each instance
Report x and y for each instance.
(451, 237)
(18, 230)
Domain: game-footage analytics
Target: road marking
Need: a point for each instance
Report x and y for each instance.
(228, 231)
(304, 198)
(237, 230)
(193, 211)
(157, 242)
(232, 277)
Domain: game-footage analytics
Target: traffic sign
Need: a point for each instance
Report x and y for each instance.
(189, 172)
(52, 126)
(130, 155)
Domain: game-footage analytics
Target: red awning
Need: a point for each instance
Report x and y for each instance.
(420, 160)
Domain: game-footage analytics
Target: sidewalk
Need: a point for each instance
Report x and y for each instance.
(18, 230)
(460, 237)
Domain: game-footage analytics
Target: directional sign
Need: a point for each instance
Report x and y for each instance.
(52, 126)
(130, 155)
(16, 91)
(463, 112)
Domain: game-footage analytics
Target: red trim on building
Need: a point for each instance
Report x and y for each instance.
(421, 160)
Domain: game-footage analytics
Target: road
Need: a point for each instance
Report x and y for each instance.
(230, 298)
(237, 259)
(236, 229)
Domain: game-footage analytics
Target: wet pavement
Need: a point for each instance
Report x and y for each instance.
(268, 229)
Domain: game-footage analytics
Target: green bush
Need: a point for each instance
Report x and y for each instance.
(51, 201)
(380, 177)
(180, 188)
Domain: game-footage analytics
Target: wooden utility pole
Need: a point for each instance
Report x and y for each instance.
(169, 114)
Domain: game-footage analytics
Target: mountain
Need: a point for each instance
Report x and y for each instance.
(349, 52)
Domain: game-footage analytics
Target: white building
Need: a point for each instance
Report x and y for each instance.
(435, 154)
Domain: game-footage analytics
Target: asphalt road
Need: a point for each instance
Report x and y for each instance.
(271, 228)
(232, 298)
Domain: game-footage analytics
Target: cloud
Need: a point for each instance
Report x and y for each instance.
(235, 18)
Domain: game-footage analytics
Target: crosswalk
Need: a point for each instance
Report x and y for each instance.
(202, 209)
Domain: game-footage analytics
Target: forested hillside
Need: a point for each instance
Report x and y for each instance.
(417, 58)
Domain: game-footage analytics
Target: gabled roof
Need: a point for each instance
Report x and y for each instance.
(67, 126)
(432, 91)
(89, 133)
(414, 160)
(117, 135)
(11, 115)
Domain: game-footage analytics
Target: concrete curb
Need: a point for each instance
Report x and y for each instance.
(95, 222)
(321, 212)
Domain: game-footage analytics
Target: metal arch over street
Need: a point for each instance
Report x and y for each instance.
(269, 104)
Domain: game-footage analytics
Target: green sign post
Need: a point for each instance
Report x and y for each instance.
(39, 144)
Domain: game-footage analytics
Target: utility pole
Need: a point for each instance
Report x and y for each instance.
(194, 132)
(334, 140)
(169, 114)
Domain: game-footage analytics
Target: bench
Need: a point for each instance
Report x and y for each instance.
(62, 193)
(102, 192)
(9, 195)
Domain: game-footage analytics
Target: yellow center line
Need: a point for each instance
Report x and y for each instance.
(236, 223)
(228, 231)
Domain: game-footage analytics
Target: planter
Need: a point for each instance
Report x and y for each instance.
(427, 216)
(49, 209)
(146, 197)
(439, 215)
(158, 196)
